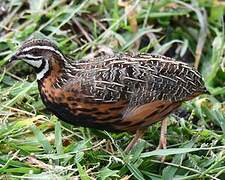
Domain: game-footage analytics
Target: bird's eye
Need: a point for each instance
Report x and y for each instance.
(35, 52)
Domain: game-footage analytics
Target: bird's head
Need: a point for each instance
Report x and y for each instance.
(41, 54)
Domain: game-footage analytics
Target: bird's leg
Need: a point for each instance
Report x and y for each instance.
(139, 134)
(163, 135)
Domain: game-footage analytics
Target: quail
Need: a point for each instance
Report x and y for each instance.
(119, 92)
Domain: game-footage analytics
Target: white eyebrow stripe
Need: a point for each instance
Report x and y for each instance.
(44, 48)
(30, 56)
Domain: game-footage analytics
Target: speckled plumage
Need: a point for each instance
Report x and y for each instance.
(121, 92)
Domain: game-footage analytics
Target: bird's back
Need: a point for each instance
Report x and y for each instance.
(139, 78)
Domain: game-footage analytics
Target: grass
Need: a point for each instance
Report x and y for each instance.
(35, 145)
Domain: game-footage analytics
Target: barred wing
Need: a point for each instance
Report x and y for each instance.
(140, 79)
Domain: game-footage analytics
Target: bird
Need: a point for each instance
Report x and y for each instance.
(120, 92)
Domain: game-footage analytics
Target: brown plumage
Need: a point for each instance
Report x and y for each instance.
(121, 92)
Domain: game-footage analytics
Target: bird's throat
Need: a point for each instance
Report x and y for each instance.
(42, 70)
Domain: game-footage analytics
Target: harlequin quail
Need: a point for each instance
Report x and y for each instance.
(120, 92)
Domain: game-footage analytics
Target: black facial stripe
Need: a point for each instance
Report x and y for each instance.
(28, 55)
(41, 67)
(34, 59)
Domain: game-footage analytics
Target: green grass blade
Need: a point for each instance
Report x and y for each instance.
(136, 173)
(172, 151)
(82, 172)
(58, 138)
(42, 140)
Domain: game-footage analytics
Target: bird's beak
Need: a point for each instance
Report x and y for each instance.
(13, 58)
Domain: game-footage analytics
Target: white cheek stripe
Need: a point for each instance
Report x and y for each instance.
(41, 74)
(35, 63)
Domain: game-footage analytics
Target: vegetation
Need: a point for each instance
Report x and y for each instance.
(35, 145)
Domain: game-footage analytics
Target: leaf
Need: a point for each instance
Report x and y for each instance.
(137, 174)
(36, 5)
(166, 46)
(24, 170)
(42, 140)
(58, 138)
(70, 14)
(169, 172)
(137, 149)
(105, 172)
(172, 151)
(83, 174)
(152, 176)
